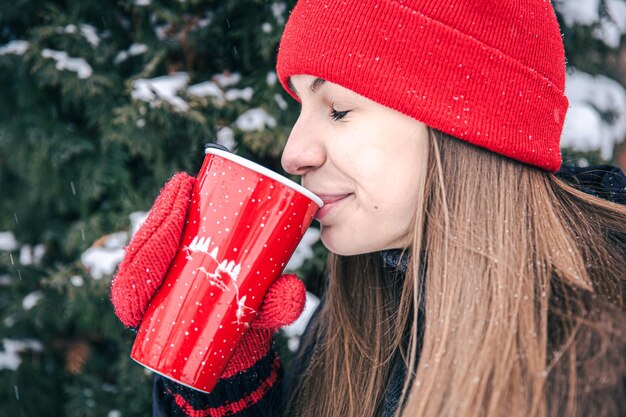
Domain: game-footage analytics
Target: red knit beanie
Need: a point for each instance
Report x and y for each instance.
(490, 72)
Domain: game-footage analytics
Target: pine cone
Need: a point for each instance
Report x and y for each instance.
(77, 356)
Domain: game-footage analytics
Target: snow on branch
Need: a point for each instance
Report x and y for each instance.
(255, 119)
(102, 259)
(587, 13)
(14, 48)
(165, 88)
(10, 355)
(133, 50)
(65, 62)
(596, 120)
(87, 31)
(304, 250)
(8, 242)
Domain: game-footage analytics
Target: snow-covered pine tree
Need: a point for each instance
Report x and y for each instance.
(101, 103)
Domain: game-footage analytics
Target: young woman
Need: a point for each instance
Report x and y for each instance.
(465, 278)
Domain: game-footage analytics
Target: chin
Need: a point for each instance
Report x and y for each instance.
(340, 247)
(344, 246)
(350, 244)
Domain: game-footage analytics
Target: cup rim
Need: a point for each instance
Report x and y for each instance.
(267, 172)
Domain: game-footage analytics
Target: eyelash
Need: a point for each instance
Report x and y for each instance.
(336, 114)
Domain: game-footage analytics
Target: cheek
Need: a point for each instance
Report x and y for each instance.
(389, 185)
(395, 193)
(392, 219)
(391, 213)
(380, 225)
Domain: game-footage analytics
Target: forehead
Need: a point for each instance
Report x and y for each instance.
(303, 85)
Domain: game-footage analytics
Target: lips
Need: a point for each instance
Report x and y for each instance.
(331, 202)
(329, 199)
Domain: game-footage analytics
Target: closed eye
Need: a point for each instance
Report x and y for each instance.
(336, 114)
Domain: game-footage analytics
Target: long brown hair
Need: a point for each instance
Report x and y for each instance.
(514, 305)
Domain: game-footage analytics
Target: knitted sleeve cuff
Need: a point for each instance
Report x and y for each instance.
(254, 392)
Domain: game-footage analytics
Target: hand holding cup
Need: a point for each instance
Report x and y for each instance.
(241, 227)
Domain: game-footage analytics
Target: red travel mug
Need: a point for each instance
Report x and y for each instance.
(244, 223)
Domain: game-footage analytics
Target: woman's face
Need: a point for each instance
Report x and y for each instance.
(366, 161)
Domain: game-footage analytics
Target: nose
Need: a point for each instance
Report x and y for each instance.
(305, 150)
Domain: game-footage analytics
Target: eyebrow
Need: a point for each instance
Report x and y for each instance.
(313, 88)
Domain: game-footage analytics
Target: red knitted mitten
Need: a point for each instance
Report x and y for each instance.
(281, 306)
(151, 251)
